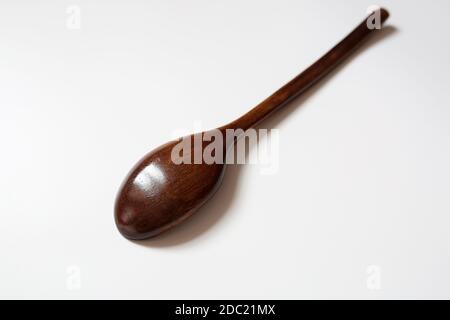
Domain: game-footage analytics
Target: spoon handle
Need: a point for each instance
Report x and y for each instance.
(307, 78)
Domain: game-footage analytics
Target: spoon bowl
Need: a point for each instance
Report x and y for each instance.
(158, 193)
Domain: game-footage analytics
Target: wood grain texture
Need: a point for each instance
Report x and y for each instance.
(159, 194)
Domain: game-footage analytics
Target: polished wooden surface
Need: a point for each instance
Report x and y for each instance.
(158, 194)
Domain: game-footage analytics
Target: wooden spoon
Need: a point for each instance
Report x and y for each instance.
(158, 193)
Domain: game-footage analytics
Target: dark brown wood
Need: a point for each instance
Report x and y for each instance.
(158, 194)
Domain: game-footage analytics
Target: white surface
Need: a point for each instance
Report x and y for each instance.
(364, 176)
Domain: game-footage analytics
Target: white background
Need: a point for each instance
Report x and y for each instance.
(363, 179)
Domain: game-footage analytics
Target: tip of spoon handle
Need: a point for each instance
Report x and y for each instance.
(384, 14)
